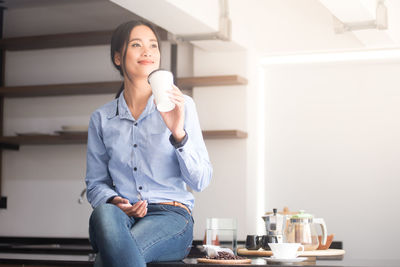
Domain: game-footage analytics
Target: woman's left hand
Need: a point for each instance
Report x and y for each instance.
(175, 118)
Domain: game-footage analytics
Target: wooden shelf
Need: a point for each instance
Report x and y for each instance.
(211, 81)
(56, 40)
(110, 87)
(224, 134)
(61, 89)
(42, 139)
(13, 142)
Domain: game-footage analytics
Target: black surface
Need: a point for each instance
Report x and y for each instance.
(9, 146)
(3, 202)
(43, 240)
(45, 263)
(79, 246)
(43, 245)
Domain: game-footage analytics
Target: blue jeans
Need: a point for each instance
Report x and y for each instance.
(164, 234)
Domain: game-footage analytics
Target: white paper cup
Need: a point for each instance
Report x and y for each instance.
(161, 81)
(285, 250)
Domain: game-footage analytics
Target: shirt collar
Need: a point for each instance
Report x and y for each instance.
(121, 108)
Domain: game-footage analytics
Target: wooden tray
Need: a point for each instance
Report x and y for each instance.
(240, 261)
(311, 253)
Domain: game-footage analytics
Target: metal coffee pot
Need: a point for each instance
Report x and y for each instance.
(302, 229)
(274, 225)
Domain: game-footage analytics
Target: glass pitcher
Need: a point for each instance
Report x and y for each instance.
(302, 229)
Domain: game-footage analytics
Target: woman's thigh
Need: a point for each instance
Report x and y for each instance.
(164, 234)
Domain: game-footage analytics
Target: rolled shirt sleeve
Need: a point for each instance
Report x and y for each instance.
(98, 181)
(193, 157)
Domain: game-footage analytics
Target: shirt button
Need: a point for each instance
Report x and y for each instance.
(180, 149)
(135, 145)
(140, 187)
(135, 123)
(135, 169)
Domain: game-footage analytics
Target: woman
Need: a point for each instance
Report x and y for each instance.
(139, 161)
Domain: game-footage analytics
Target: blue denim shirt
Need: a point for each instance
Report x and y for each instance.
(134, 159)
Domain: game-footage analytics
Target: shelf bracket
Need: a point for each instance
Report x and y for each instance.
(225, 28)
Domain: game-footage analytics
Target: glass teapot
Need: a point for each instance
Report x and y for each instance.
(302, 229)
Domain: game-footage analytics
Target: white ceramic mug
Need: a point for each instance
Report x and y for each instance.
(286, 250)
(161, 81)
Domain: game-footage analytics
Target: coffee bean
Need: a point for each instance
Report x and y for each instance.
(225, 256)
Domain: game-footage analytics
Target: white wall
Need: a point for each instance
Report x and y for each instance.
(222, 108)
(332, 148)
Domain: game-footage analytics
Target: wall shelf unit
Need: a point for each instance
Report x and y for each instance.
(104, 87)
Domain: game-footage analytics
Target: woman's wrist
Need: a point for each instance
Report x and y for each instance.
(178, 136)
(109, 200)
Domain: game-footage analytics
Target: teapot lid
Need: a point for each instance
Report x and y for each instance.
(302, 215)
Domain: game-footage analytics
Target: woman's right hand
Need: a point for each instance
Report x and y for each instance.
(138, 210)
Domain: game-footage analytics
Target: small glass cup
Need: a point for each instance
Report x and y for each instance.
(222, 232)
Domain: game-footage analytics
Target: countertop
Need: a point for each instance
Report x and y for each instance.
(78, 252)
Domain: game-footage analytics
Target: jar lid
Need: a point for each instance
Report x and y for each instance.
(302, 215)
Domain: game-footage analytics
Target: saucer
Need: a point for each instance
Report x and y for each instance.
(298, 259)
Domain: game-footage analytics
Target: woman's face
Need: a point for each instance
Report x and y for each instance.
(143, 54)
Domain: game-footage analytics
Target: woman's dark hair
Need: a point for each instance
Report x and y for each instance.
(120, 40)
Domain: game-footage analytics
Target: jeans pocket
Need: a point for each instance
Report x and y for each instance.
(179, 210)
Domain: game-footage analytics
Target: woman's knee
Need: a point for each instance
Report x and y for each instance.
(104, 211)
(106, 216)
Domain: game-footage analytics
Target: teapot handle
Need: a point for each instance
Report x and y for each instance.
(321, 222)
